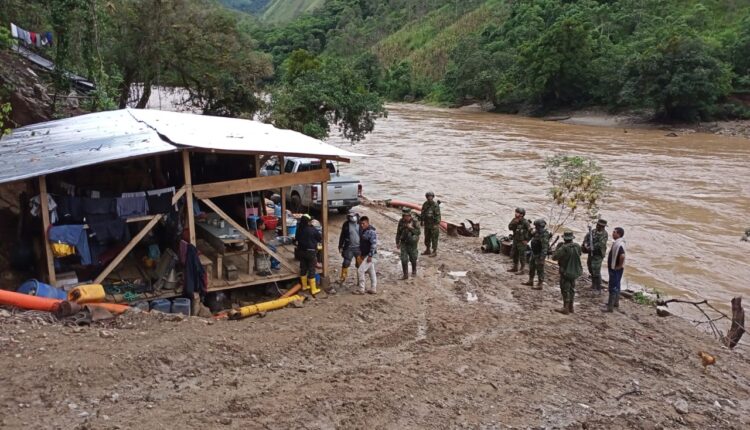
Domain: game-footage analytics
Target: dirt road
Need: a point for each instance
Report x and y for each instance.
(417, 355)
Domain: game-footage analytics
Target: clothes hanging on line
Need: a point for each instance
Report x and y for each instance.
(108, 231)
(35, 207)
(72, 235)
(132, 207)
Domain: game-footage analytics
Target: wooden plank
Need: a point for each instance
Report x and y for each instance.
(133, 242)
(51, 277)
(189, 187)
(261, 201)
(240, 186)
(248, 235)
(324, 216)
(282, 163)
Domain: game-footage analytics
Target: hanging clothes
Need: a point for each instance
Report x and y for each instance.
(48, 36)
(13, 30)
(195, 276)
(131, 207)
(99, 209)
(35, 207)
(108, 231)
(72, 235)
(69, 210)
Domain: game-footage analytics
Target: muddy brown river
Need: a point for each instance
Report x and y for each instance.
(683, 201)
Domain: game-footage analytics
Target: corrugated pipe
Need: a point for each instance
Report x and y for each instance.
(257, 308)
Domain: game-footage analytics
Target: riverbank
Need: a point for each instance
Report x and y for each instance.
(419, 354)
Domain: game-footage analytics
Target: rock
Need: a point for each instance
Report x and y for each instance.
(662, 311)
(114, 397)
(471, 297)
(225, 421)
(298, 304)
(106, 334)
(4, 313)
(717, 405)
(72, 406)
(681, 406)
(672, 134)
(727, 403)
(83, 414)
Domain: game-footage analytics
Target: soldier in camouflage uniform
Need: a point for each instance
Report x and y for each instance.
(568, 256)
(407, 240)
(521, 228)
(597, 238)
(539, 245)
(430, 219)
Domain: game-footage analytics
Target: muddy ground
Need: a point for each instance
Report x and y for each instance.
(416, 355)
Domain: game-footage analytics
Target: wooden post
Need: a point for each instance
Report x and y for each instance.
(45, 224)
(189, 188)
(261, 200)
(737, 329)
(324, 217)
(282, 163)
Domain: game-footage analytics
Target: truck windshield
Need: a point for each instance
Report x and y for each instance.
(306, 167)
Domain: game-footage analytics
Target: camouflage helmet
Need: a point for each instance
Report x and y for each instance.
(405, 211)
(429, 194)
(540, 223)
(521, 211)
(568, 236)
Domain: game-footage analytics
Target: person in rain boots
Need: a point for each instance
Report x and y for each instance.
(568, 256)
(539, 245)
(349, 247)
(595, 245)
(616, 266)
(368, 242)
(521, 228)
(308, 238)
(430, 220)
(407, 241)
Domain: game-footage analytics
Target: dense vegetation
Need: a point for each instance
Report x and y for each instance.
(685, 59)
(275, 11)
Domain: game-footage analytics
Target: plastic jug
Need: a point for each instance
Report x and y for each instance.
(181, 305)
(161, 305)
(90, 293)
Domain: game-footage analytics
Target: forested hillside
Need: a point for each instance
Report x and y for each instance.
(686, 59)
(274, 11)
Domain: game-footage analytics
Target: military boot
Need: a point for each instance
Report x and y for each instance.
(405, 269)
(414, 269)
(514, 269)
(539, 285)
(570, 307)
(530, 282)
(426, 252)
(520, 271)
(434, 253)
(565, 308)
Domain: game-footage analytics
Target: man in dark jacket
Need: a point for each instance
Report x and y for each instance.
(349, 246)
(407, 241)
(308, 238)
(368, 243)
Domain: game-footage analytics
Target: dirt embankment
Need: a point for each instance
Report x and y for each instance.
(416, 355)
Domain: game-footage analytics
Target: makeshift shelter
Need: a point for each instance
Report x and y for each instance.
(146, 168)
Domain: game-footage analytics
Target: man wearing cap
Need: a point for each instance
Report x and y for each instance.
(539, 245)
(308, 238)
(521, 228)
(407, 240)
(595, 245)
(430, 219)
(616, 267)
(369, 246)
(568, 256)
(349, 246)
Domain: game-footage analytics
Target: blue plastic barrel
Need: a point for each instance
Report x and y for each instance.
(252, 222)
(161, 305)
(277, 211)
(33, 287)
(291, 230)
(317, 278)
(181, 305)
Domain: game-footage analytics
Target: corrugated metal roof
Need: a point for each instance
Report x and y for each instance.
(85, 140)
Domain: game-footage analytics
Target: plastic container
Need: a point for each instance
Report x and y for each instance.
(33, 287)
(141, 306)
(161, 305)
(277, 211)
(90, 293)
(317, 278)
(291, 229)
(252, 222)
(181, 305)
(270, 221)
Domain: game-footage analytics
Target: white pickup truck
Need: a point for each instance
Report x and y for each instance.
(343, 192)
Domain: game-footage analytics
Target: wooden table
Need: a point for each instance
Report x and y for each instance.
(220, 238)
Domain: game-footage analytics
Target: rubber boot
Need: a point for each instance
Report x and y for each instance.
(617, 303)
(610, 306)
(597, 281)
(520, 271)
(344, 273)
(313, 288)
(539, 285)
(514, 269)
(303, 281)
(426, 252)
(405, 268)
(414, 269)
(530, 282)
(434, 253)
(570, 306)
(565, 308)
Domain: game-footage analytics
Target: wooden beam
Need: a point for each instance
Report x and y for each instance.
(51, 277)
(189, 187)
(282, 163)
(133, 242)
(241, 186)
(324, 216)
(261, 201)
(251, 237)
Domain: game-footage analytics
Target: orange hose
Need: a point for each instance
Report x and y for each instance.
(400, 204)
(112, 307)
(295, 289)
(25, 301)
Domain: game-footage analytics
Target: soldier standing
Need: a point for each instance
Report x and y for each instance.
(407, 240)
(520, 227)
(539, 247)
(568, 256)
(430, 219)
(595, 245)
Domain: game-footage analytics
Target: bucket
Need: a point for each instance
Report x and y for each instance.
(90, 293)
(291, 230)
(270, 222)
(252, 222)
(33, 287)
(161, 305)
(181, 305)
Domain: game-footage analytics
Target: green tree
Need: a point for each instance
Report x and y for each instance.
(316, 94)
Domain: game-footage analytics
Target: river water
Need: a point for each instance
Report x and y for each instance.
(683, 201)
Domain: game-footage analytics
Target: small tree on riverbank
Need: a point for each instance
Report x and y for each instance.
(578, 187)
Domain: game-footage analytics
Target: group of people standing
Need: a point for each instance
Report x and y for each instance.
(533, 244)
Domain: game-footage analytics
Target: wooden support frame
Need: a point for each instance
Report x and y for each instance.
(324, 214)
(189, 189)
(251, 237)
(135, 240)
(240, 186)
(282, 164)
(43, 202)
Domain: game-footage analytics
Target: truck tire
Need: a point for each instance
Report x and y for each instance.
(296, 204)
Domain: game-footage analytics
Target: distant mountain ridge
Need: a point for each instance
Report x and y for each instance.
(275, 11)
